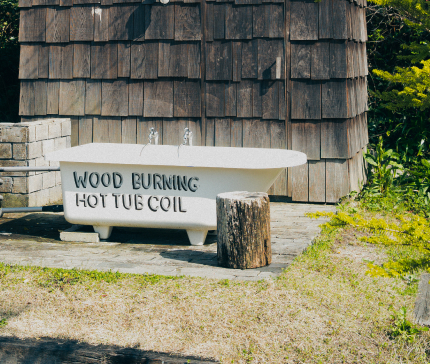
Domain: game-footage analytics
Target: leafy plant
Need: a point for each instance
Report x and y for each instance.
(385, 167)
(397, 89)
(9, 60)
(402, 329)
(411, 231)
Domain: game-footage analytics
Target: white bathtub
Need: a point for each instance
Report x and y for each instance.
(102, 183)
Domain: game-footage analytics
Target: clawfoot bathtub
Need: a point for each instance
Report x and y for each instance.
(161, 186)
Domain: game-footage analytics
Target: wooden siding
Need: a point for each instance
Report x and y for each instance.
(275, 74)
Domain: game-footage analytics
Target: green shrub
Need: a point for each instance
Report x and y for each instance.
(9, 60)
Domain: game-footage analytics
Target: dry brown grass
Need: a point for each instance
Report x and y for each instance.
(324, 309)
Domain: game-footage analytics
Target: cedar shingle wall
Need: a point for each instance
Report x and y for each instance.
(247, 73)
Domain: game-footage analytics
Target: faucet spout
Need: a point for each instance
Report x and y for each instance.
(188, 137)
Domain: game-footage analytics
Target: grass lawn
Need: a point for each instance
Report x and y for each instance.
(323, 309)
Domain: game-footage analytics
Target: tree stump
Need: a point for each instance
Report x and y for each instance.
(243, 226)
(422, 304)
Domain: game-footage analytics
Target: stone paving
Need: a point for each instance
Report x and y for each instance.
(33, 239)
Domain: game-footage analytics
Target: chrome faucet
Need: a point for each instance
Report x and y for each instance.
(153, 134)
(188, 137)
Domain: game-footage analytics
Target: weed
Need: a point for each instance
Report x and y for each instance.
(3, 322)
(402, 329)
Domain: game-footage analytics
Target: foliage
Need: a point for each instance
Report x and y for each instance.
(402, 329)
(9, 60)
(401, 180)
(385, 166)
(412, 231)
(398, 81)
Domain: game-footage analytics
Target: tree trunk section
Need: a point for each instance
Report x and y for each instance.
(243, 227)
(422, 304)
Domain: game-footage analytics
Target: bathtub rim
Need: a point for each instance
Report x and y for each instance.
(210, 157)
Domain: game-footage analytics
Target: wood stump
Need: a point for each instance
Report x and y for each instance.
(422, 304)
(243, 226)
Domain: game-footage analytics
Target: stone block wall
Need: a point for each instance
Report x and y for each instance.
(25, 144)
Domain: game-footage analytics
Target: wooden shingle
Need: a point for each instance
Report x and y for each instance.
(93, 97)
(159, 21)
(237, 61)
(219, 61)
(139, 23)
(158, 99)
(186, 98)
(124, 62)
(128, 130)
(337, 181)
(219, 23)
(40, 97)
(334, 139)
(244, 98)
(57, 25)
(101, 24)
(238, 22)
(43, 71)
(187, 22)
(338, 59)
(29, 61)
(194, 60)
(104, 60)
(301, 60)
(340, 30)
(270, 99)
(53, 94)
(325, 22)
(82, 60)
(250, 59)
(135, 98)
(82, 23)
(304, 20)
(209, 23)
(85, 130)
(72, 97)
(61, 61)
(317, 180)
(306, 100)
(230, 99)
(121, 22)
(334, 99)
(306, 138)
(172, 59)
(114, 98)
(26, 98)
(32, 25)
(268, 21)
(215, 99)
(144, 60)
(320, 61)
(257, 99)
(269, 50)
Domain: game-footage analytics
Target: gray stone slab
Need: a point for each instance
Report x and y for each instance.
(152, 251)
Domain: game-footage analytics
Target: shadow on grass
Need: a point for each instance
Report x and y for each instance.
(47, 351)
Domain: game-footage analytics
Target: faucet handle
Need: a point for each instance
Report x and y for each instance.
(188, 137)
(153, 134)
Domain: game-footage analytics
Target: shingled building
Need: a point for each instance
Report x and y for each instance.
(243, 73)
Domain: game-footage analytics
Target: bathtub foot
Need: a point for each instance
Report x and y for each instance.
(104, 231)
(197, 237)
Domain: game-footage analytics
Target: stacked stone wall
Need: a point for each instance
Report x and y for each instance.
(26, 144)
